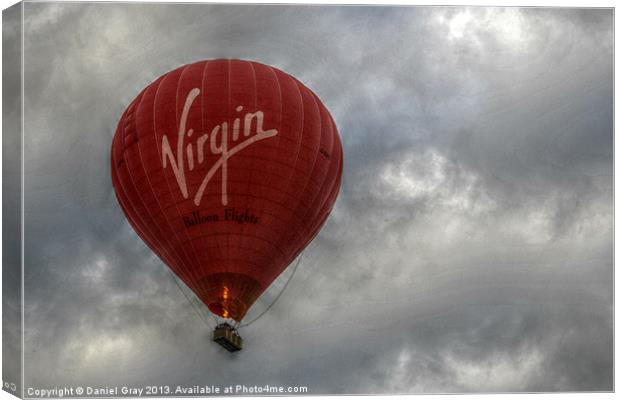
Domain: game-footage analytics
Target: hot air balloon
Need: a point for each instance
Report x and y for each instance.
(226, 169)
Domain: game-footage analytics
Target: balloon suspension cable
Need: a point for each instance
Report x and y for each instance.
(189, 300)
(277, 297)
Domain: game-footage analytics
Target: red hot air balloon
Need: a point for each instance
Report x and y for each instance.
(227, 169)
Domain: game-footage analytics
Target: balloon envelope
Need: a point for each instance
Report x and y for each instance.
(227, 169)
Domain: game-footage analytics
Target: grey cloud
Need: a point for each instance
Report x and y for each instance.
(470, 248)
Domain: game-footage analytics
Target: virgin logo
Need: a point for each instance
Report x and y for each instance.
(216, 142)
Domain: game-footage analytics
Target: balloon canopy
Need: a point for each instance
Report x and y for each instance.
(226, 169)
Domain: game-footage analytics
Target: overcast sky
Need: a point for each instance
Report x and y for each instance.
(470, 249)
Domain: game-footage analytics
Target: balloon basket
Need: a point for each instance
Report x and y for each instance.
(227, 337)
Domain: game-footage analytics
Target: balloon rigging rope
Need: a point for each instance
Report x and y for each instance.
(237, 325)
(277, 297)
(190, 300)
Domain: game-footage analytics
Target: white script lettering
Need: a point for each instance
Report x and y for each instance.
(218, 144)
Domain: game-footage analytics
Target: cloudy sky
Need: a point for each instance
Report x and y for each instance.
(470, 249)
